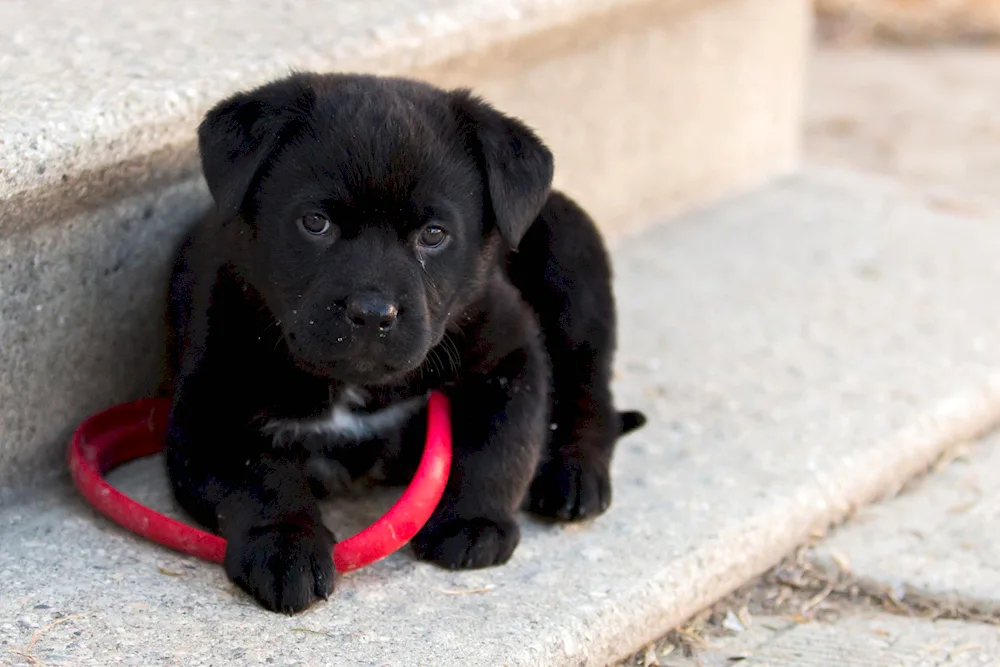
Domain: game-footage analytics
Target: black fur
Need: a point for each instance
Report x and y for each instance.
(274, 321)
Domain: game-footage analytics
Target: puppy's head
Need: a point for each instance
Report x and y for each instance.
(368, 211)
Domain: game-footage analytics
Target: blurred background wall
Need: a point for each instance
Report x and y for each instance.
(909, 21)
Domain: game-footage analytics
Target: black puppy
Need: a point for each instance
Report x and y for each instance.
(360, 255)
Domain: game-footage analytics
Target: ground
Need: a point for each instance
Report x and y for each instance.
(909, 21)
(927, 117)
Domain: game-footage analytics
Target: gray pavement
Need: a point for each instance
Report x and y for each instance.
(927, 118)
(866, 639)
(911, 581)
(940, 540)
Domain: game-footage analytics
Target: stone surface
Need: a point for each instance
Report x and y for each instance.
(650, 107)
(101, 98)
(87, 86)
(924, 116)
(82, 312)
(799, 351)
(883, 110)
(937, 540)
(862, 640)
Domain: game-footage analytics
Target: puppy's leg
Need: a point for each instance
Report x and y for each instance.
(223, 470)
(278, 549)
(563, 271)
(498, 426)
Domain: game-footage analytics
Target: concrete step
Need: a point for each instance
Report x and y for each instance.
(865, 639)
(651, 106)
(800, 352)
(935, 544)
(927, 556)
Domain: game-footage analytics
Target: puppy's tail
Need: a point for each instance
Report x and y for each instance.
(630, 420)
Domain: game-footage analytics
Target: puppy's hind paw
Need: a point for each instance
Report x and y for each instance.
(570, 490)
(465, 544)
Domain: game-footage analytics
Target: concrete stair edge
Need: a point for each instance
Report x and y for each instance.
(101, 148)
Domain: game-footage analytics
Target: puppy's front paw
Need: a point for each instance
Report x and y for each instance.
(285, 567)
(571, 489)
(467, 543)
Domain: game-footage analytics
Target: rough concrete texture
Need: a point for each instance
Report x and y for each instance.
(936, 541)
(798, 351)
(650, 107)
(103, 97)
(884, 111)
(924, 116)
(88, 86)
(82, 311)
(862, 640)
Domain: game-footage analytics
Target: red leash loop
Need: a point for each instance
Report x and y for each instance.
(132, 430)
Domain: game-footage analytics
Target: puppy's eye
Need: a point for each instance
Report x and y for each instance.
(315, 223)
(432, 236)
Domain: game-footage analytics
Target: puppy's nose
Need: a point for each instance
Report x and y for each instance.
(372, 310)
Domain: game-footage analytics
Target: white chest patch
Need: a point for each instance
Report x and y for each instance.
(344, 421)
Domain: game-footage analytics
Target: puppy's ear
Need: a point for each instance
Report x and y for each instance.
(238, 134)
(516, 165)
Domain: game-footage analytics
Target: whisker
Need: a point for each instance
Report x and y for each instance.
(453, 353)
(435, 357)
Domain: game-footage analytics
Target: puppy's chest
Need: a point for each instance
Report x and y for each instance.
(352, 416)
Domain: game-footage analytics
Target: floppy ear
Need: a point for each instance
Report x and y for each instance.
(238, 134)
(516, 164)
